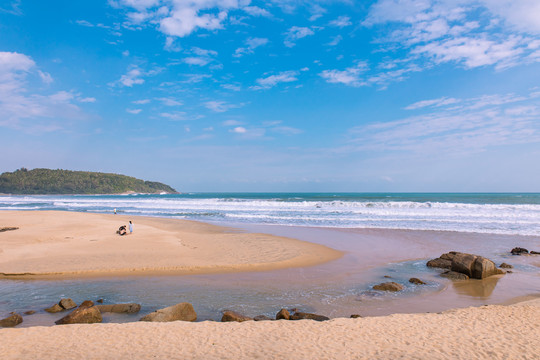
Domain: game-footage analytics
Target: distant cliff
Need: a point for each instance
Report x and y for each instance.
(46, 181)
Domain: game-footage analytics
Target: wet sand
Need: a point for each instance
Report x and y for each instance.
(69, 244)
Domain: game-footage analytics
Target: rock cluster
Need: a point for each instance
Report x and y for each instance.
(86, 313)
(473, 266)
(519, 251)
(63, 304)
(130, 308)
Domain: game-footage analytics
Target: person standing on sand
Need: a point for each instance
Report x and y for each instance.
(130, 227)
(114, 211)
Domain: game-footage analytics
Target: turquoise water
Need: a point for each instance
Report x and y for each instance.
(517, 214)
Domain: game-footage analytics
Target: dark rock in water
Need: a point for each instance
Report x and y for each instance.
(67, 304)
(519, 251)
(473, 266)
(229, 316)
(483, 268)
(13, 320)
(100, 301)
(86, 313)
(308, 316)
(454, 275)
(130, 308)
(387, 276)
(388, 286)
(506, 266)
(534, 252)
(509, 272)
(54, 309)
(262, 318)
(440, 263)
(416, 281)
(355, 316)
(463, 263)
(181, 311)
(29, 312)
(283, 314)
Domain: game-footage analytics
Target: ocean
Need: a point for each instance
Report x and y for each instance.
(496, 213)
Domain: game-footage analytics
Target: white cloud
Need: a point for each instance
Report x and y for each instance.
(203, 57)
(336, 40)
(221, 106)
(199, 61)
(170, 102)
(233, 87)
(273, 80)
(251, 44)
(295, 33)
(132, 77)
(467, 33)
(434, 102)
(349, 76)
(457, 126)
(13, 8)
(239, 130)
(175, 116)
(87, 100)
(30, 111)
(257, 11)
(341, 22)
(45, 77)
(141, 102)
(232, 123)
(134, 111)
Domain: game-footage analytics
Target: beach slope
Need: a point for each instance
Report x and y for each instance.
(71, 244)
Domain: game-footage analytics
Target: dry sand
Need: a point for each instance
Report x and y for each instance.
(70, 244)
(488, 332)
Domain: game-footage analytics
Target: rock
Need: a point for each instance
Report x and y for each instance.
(130, 308)
(355, 316)
(67, 304)
(29, 312)
(509, 272)
(308, 316)
(100, 301)
(388, 286)
(534, 252)
(283, 314)
(181, 311)
(262, 318)
(86, 313)
(13, 320)
(54, 309)
(482, 268)
(229, 316)
(387, 276)
(8, 229)
(416, 281)
(454, 275)
(506, 266)
(463, 263)
(440, 263)
(449, 255)
(519, 251)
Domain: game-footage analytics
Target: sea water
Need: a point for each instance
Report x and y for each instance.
(409, 227)
(516, 213)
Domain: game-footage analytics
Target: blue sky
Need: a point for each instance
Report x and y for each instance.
(282, 95)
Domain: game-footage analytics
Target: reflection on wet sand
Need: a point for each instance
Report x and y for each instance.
(477, 288)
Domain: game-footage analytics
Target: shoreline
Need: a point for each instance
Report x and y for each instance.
(62, 244)
(492, 331)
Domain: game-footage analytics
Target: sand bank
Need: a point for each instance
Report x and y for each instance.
(488, 332)
(70, 244)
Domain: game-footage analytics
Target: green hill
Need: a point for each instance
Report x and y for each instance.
(46, 181)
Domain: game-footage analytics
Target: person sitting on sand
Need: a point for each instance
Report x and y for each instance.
(122, 230)
(130, 227)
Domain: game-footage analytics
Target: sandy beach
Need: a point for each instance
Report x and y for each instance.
(70, 244)
(489, 332)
